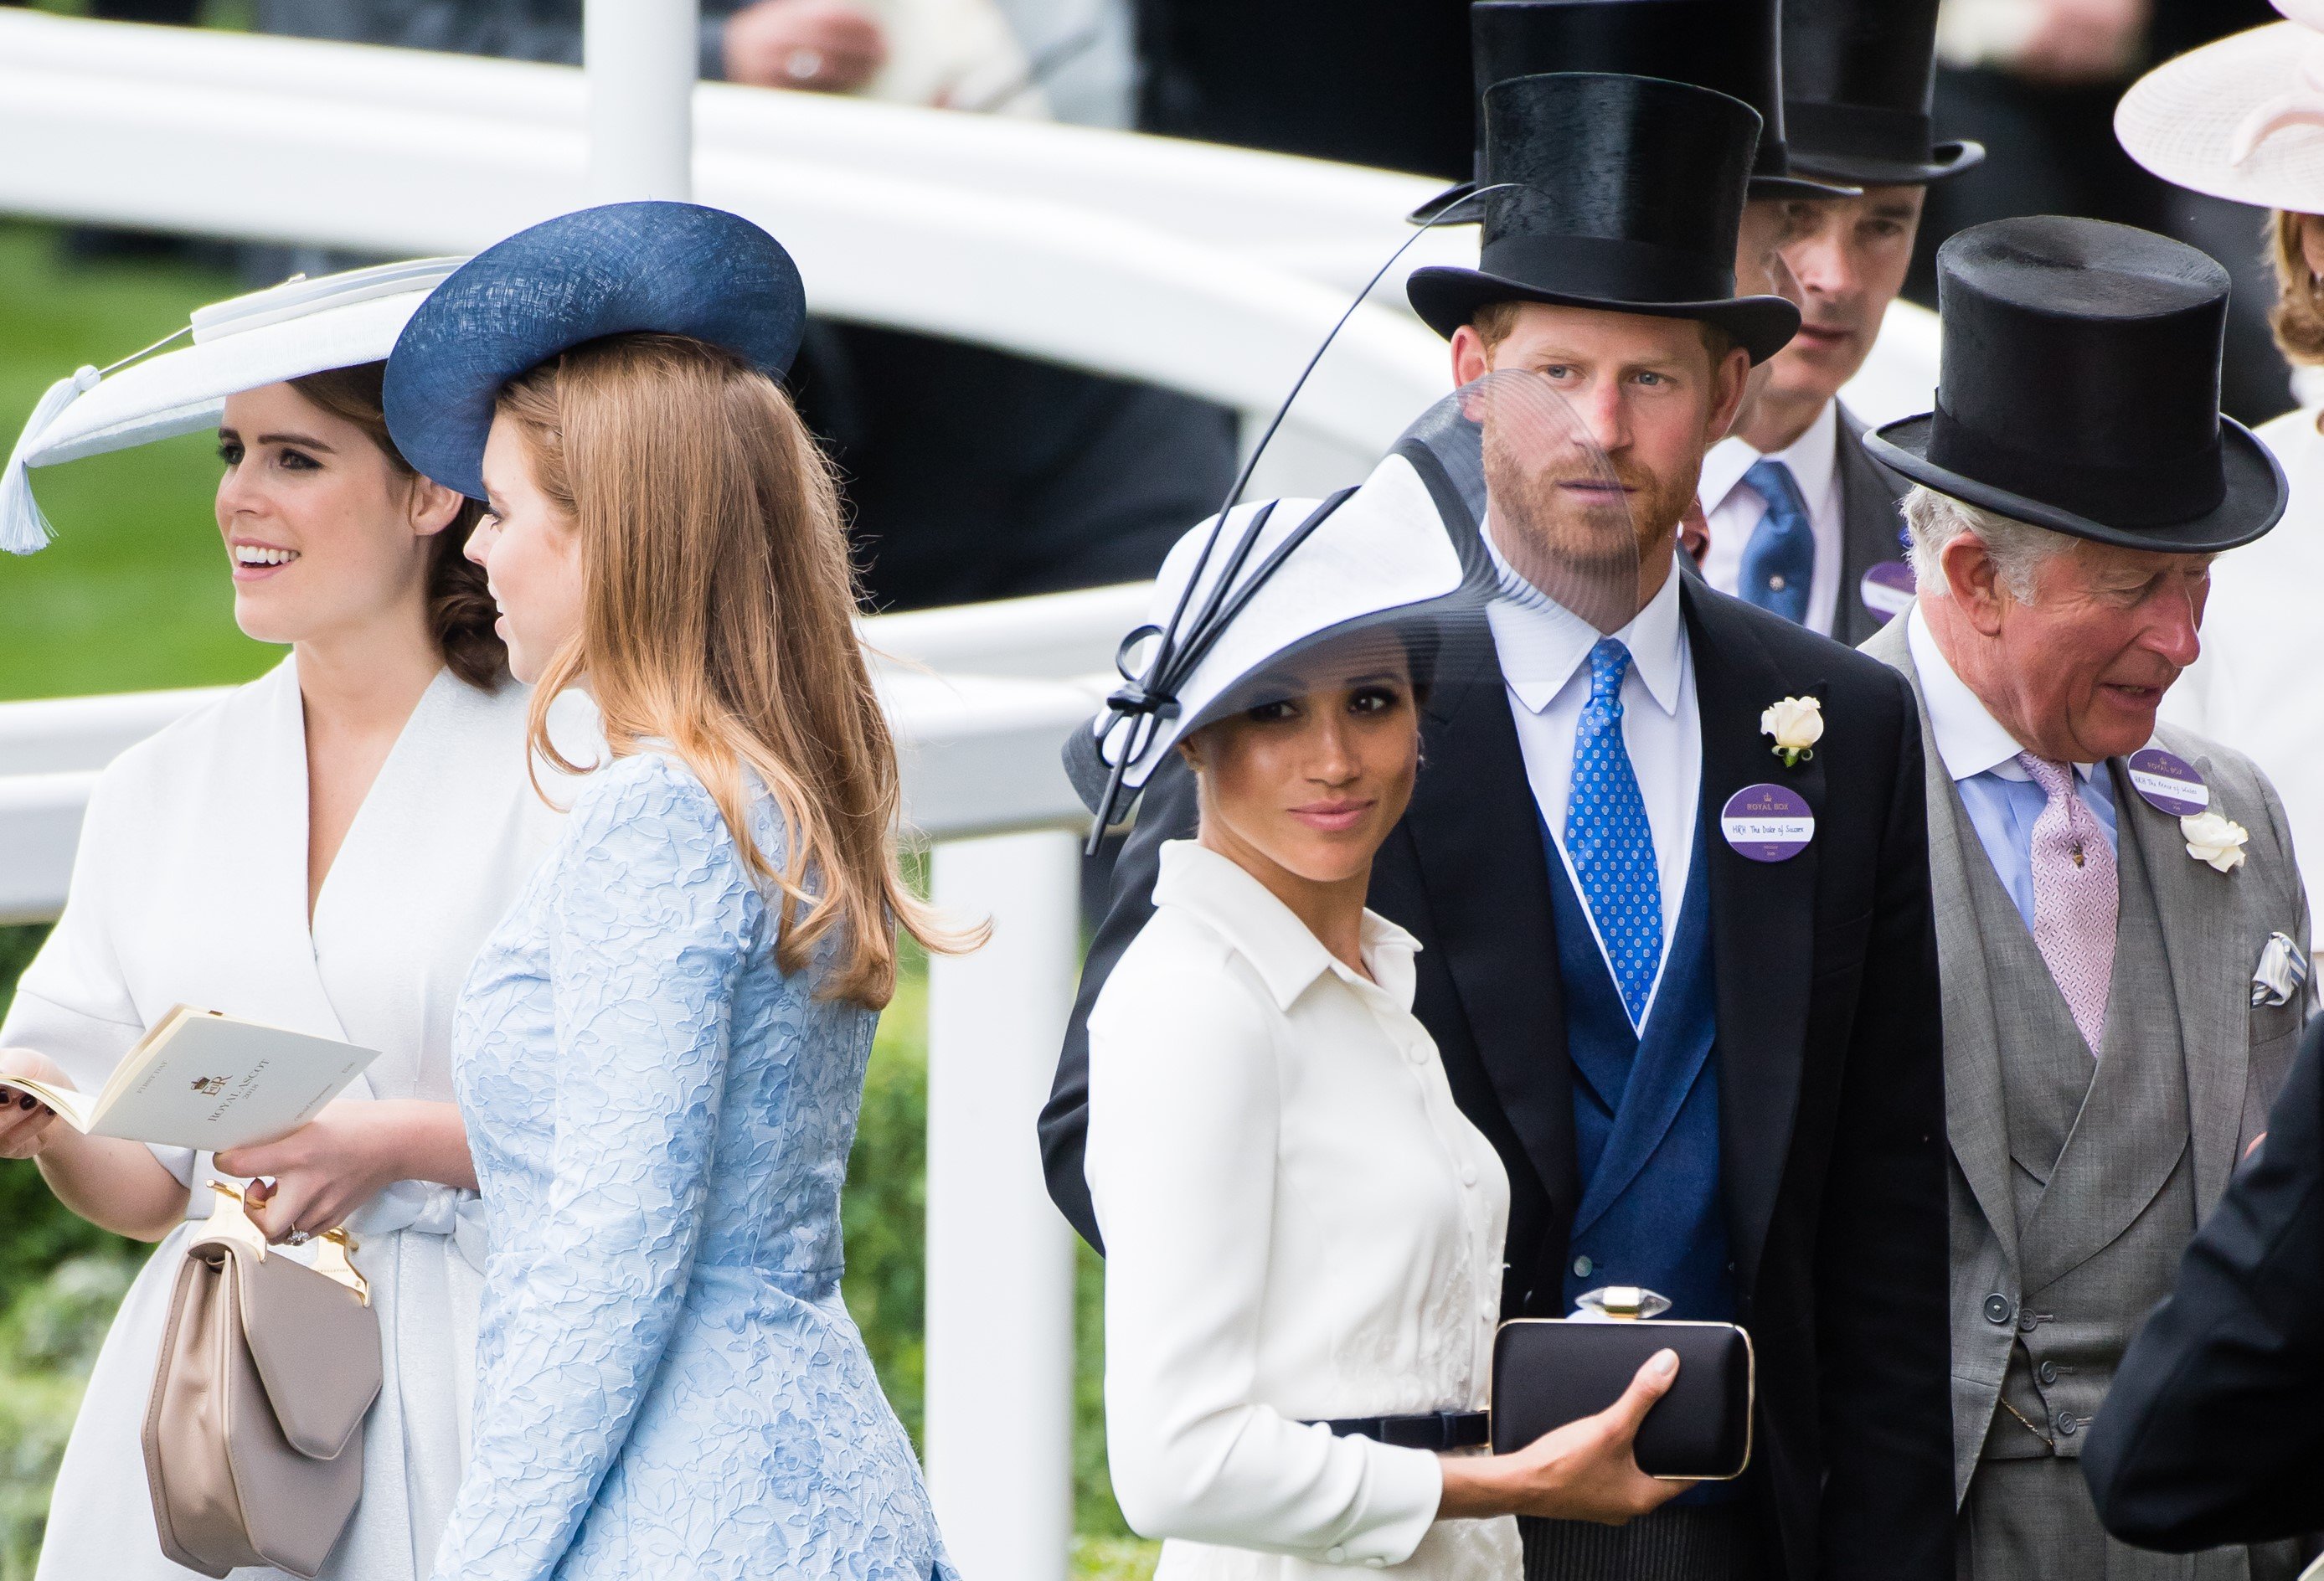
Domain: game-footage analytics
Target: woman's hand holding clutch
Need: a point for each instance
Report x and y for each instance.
(1584, 1471)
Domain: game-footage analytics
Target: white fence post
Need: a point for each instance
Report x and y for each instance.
(999, 1435)
(642, 57)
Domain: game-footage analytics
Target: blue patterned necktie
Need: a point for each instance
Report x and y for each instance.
(1779, 562)
(1609, 839)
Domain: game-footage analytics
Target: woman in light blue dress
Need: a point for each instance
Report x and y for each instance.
(660, 1051)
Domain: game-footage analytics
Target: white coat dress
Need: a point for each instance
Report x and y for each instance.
(1300, 1225)
(190, 886)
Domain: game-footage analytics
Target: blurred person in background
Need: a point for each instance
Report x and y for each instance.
(970, 473)
(2036, 81)
(1800, 519)
(2188, 121)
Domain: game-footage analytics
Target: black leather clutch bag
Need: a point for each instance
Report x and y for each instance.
(1551, 1371)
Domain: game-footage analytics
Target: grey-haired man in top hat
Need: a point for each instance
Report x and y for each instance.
(1800, 519)
(2121, 927)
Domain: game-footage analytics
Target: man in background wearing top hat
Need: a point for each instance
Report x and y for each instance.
(1738, 1103)
(1732, 47)
(2121, 927)
(1801, 521)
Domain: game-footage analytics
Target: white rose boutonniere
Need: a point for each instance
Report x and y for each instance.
(2215, 840)
(1797, 726)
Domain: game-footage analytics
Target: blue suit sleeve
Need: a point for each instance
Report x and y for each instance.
(651, 925)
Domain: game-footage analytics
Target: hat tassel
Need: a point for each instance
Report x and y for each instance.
(24, 530)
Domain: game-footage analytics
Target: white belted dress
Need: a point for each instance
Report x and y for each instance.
(190, 886)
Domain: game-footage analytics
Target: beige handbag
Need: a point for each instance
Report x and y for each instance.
(253, 1437)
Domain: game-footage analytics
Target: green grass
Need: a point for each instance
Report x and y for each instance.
(134, 594)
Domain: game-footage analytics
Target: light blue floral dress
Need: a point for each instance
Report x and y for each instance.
(667, 1384)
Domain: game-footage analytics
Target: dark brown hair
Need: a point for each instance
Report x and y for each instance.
(460, 611)
(2298, 316)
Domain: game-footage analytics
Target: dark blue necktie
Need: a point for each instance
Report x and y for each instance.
(1779, 562)
(1609, 839)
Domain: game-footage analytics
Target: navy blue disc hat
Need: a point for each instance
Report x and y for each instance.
(619, 269)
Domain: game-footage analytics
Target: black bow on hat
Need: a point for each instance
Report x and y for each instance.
(1859, 77)
(1623, 193)
(2078, 390)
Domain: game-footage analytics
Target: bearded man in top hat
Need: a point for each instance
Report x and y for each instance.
(2119, 921)
(1800, 519)
(1737, 1101)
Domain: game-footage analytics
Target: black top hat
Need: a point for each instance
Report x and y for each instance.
(2078, 390)
(1728, 46)
(1625, 193)
(1858, 76)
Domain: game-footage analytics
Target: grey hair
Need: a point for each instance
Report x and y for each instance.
(2017, 547)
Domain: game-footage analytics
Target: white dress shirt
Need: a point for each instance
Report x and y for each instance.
(1544, 651)
(1300, 1225)
(1980, 757)
(1732, 510)
(2254, 688)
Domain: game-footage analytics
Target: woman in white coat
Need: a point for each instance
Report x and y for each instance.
(1302, 1232)
(322, 849)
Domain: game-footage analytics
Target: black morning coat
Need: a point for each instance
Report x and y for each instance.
(1831, 1117)
(2213, 1432)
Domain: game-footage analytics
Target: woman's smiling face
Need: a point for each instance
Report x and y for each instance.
(1312, 779)
(322, 532)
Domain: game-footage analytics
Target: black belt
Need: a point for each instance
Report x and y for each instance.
(1445, 1430)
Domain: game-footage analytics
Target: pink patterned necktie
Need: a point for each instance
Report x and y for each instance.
(2076, 899)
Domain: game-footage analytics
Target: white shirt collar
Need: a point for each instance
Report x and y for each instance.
(1812, 457)
(1542, 643)
(1969, 739)
(1262, 929)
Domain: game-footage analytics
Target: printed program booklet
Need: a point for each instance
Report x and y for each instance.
(201, 1078)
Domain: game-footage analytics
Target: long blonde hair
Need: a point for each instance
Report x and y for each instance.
(718, 617)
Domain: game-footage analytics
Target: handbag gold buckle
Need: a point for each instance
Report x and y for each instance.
(230, 1220)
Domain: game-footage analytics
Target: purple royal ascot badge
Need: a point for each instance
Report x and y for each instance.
(1767, 822)
(1888, 589)
(2168, 783)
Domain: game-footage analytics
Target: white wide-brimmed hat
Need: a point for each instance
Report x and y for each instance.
(1241, 598)
(2241, 118)
(288, 331)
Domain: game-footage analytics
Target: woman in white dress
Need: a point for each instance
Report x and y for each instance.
(1303, 1232)
(322, 849)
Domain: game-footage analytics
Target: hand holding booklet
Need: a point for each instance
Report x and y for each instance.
(204, 1079)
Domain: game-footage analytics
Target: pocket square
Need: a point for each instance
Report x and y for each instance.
(2281, 971)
